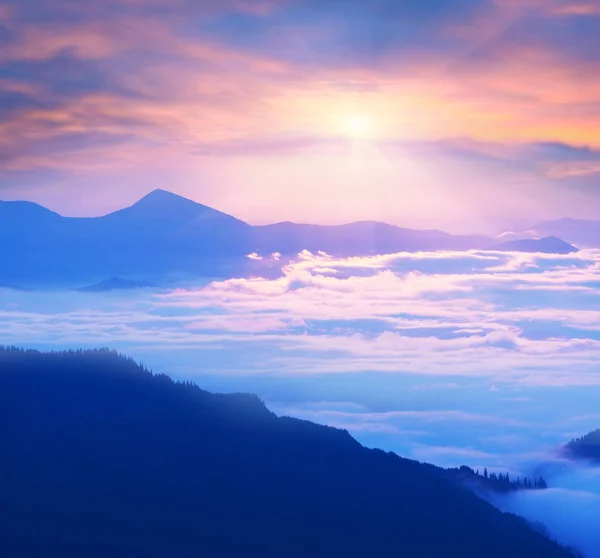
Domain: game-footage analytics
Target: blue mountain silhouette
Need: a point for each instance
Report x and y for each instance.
(165, 235)
(549, 245)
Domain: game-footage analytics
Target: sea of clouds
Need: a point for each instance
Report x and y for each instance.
(482, 358)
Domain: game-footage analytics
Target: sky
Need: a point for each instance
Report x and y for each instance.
(470, 115)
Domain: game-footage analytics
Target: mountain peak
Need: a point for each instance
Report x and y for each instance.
(160, 193)
(163, 208)
(548, 245)
(167, 207)
(163, 199)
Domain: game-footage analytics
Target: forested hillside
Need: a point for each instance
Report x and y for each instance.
(101, 458)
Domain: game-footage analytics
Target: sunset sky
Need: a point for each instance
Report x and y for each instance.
(468, 115)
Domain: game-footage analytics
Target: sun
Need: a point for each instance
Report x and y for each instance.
(358, 126)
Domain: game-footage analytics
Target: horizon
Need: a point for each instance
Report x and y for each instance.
(496, 234)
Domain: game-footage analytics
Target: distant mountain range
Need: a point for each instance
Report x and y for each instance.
(161, 235)
(580, 232)
(547, 245)
(101, 458)
(166, 235)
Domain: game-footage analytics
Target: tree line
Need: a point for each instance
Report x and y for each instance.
(502, 482)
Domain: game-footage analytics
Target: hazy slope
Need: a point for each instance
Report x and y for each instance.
(580, 232)
(355, 239)
(585, 447)
(548, 245)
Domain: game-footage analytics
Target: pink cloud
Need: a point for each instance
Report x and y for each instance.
(374, 321)
(576, 7)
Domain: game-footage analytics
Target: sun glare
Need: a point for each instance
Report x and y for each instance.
(358, 126)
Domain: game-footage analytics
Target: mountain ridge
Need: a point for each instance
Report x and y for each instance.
(104, 458)
(161, 203)
(583, 233)
(548, 244)
(164, 234)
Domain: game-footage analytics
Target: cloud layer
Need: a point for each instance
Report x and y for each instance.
(520, 318)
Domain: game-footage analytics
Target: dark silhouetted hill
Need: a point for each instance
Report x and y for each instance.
(548, 245)
(98, 458)
(585, 447)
